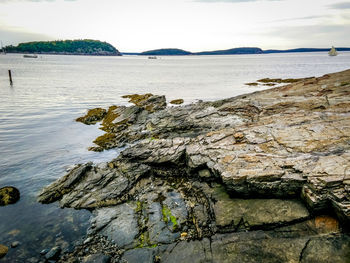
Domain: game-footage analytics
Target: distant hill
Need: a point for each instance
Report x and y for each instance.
(233, 51)
(304, 50)
(66, 47)
(166, 52)
(180, 52)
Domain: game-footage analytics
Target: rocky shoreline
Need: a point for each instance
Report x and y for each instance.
(262, 177)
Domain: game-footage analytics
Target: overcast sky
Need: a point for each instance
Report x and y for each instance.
(194, 25)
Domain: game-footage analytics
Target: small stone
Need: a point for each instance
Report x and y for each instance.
(239, 136)
(53, 253)
(3, 250)
(33, 260)
(88, 240)
(205, 173)
(44, 251)
(15, 244)
(97, 258)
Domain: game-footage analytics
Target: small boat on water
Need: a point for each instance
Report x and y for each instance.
(152, 57)
(332, 52)
(30, 56)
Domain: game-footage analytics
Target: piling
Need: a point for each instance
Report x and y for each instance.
(10, 77)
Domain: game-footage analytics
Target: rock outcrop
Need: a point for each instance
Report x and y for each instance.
(176, 194)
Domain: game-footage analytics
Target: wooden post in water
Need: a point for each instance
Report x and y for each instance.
(10, 77)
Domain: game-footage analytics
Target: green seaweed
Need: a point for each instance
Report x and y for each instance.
(167, 216)
(138, 207)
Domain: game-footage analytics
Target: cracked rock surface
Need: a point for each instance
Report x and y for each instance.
(263, 177)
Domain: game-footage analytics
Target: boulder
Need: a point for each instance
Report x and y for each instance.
(9, 195)
(3, 250)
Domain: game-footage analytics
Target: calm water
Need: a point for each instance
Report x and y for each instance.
(39, 138)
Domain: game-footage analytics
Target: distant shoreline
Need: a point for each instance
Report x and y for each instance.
(89, 47)
(233, 51)
(193, 54)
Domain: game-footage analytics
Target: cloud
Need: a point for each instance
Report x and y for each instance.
(298, 18)
(342, 5)
(15, 36)
(231, 1)
(35, 1)
(307, 36)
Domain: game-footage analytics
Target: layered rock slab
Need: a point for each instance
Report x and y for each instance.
(287, 142)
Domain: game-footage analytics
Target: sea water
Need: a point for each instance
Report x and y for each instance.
(39, 139)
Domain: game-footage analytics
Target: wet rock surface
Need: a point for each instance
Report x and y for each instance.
(263, 177)
(9, 195)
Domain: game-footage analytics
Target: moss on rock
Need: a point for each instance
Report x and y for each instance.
(3, 250)
(177, 101)
(111, 115)
(9, 195)
(105, 140)
(252, 84)
(138, 99)
(168, 217)
(268, 80)
(92, 116)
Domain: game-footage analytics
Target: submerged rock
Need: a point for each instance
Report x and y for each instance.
(241, 179)
(9, 195)
(53, 253)
(15, 244)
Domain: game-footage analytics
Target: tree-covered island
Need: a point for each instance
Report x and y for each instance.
(66, 47)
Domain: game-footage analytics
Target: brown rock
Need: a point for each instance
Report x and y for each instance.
(3, 250)
(177, 101)
(9, 195)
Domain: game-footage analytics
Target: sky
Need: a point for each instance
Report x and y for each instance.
(193, 25)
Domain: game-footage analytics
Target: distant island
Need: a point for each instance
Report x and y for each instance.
(181, 52)
(232, 51)
(166, 52)
(304, 50)
(66, 47)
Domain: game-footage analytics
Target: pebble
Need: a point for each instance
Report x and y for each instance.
(101, 258)
(87, 240)
(32, 260)
(15, 244)
(53, 253)
(44, 251)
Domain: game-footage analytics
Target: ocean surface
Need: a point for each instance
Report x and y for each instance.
(39, 139)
